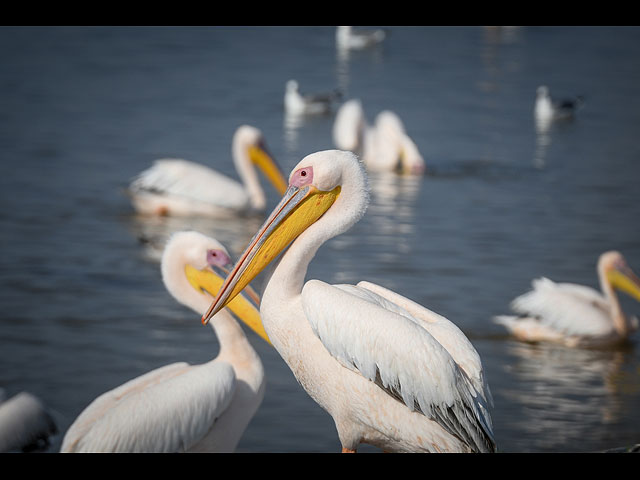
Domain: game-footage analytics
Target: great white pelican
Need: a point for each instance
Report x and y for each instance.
(576, 315)
(390, 372)
(182, 407)
(179, 187)
(384, 146)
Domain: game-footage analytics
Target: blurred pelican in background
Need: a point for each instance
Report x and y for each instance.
(180, 187)
(384, 146)
(25, 423)
(309, 104)
(390, 372)
(349, 39)
(576, 315)
(182, 407)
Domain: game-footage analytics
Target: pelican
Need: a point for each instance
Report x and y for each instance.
(349, 39)
(547, 110)
(182, 407)
(384, 146)
(297, 104)
(25, 423)
(390, 372)
(576, 315)
(179, 187)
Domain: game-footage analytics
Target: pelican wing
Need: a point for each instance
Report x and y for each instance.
(445, 332)
(167, 410)
(190, 181)
(383, 342)
(565, 307)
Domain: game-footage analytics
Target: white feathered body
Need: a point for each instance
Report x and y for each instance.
(182, 404)
(351, 343)
(563, 312)
(181, 187)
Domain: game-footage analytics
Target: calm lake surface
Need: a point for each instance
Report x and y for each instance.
(83, 307)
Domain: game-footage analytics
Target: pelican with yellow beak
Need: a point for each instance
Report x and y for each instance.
(390, 372)
(576, 315)
(179, 187)
(182, 407)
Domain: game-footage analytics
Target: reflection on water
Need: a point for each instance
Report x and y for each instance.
(154, 231)
(565, 396)
(392, 212)
(543, 141)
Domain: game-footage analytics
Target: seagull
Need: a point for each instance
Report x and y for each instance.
(546, 109)
(298, 104)
(348, 38)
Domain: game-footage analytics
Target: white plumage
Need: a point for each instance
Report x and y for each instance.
(309, 104)
(180, 187)
(384, 146)
(576, 315)
(390, 372)
(350, 39)
(181, 407)
(547, 110)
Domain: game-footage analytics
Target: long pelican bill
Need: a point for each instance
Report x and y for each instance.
(625, 280)
(299, 208)
(265, 162)
(210, 282)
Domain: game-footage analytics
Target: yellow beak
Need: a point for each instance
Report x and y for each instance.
(299, 208)
(625, 280)
(265, 162)
(245, 310)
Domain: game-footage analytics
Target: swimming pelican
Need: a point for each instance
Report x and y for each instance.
(384, 146)
(390, 372)
(182, 407)
(179, 187)
(576, 315)
(25, 423)
(298, 104)
(547, 110)
(348, 38)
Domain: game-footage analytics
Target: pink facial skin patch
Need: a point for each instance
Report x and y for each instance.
(302, 177)
(217, 258)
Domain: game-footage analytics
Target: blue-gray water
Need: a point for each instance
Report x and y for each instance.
(85, 109)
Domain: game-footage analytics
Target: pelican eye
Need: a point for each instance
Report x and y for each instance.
(302, 177)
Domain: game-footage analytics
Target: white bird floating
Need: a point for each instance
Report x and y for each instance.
(390, 372)
(547, 110)
(384, 146)
(349, 39)
(179, 187)
(182, 407)
(25, 423)
(309, 104)
(576, 315)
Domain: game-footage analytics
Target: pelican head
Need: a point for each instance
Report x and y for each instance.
(193, 269)
(250, 149)
(613, 267)
(391, 128)
(330, 185)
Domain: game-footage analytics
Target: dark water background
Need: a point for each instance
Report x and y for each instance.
(83, 308)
